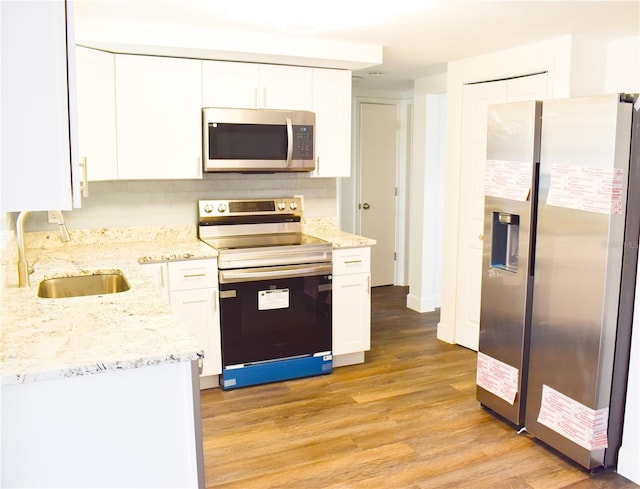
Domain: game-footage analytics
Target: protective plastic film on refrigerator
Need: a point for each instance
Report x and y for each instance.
(584, 285)
(513, 151)
(554, 348)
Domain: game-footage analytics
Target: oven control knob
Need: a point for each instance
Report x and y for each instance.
(208, 208)
(293, 206)
(222, 208)
(282, 206)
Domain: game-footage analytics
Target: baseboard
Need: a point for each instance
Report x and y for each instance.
(348, 359)
(446, 333)
(209, 382)
(421, 304)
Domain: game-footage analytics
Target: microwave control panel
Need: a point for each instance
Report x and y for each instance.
(303, 142)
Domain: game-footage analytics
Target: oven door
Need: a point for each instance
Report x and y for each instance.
(274, 313)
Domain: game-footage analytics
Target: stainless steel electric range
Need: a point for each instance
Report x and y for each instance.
(275, 290)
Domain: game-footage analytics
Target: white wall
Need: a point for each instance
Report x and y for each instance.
(426, 176)
(623, 65)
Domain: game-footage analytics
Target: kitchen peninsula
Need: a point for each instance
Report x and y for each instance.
(96, 382)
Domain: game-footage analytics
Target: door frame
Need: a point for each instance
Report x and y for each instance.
(551, 56)
(403, 154)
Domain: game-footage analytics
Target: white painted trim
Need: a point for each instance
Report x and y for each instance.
(423, 304)
(629, 453)
(201, 43)
(425, 191)
(348, 359)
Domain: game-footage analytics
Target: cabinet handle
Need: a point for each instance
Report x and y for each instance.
(351, 262)
(215, 301)
(317, 165)
(264, 97)
(193, 275)
(369, 284)
(84, 182)
(162, 277)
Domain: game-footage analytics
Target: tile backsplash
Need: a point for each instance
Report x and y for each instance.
(170, 202)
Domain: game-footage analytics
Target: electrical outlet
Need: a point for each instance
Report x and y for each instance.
(53, 217)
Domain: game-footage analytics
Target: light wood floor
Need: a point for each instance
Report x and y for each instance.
(407, 418)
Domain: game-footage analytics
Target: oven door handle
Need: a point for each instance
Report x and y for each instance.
(257, 274)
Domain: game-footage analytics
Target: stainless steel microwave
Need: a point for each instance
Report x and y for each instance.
(257, 140)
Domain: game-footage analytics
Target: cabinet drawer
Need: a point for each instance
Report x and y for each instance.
(192, 274)
(351, 260)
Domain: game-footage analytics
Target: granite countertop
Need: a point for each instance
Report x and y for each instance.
(328, 230)
(54, 338)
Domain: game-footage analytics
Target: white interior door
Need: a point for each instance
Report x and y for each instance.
(473, 148)
(377, 203)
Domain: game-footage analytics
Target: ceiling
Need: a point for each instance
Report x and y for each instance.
(414, 44)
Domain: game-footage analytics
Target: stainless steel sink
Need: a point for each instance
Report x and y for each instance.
(81, 285)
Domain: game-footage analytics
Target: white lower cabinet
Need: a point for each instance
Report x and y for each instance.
(351, 304)
(160, 276)
(198, 308)
(191, 286)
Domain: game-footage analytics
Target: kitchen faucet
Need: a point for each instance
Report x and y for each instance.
(23, 266)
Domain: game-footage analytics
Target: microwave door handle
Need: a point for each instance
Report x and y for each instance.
(289, 141)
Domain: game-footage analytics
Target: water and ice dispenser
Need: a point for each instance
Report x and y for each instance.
(505, 240)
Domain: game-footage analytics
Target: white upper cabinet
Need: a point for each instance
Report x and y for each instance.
(37, 165)
(332, 105)
(226, 84)
(158, 117)
(96, 97)
(253, 86)
(286, 87)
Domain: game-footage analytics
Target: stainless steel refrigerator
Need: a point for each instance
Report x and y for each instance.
(511, 168)
(555, 341)
(584, 278)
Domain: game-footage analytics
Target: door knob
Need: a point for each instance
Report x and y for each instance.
(481, 237)
(365, 206)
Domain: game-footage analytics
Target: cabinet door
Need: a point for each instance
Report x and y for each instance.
(158, 273)
(351, 313)
(228, 84)
(158, 107)
(193, 274)
(286, 87)
(332, 105)
(199, 310)
(36, 171)
(96, 98)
